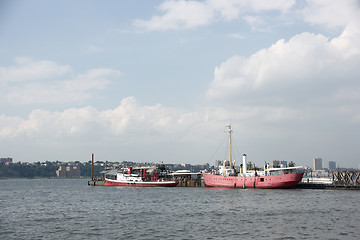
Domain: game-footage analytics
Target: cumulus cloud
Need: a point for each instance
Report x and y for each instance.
(139, 132)
(192, 14)
(308, 76)
(26, 69)
(184, 14)
(307, 63)
(178, 14)
(129, 117)
(44, 81)
(331, 13)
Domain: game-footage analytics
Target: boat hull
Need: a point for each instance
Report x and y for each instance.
(273, 181)
(109, 182)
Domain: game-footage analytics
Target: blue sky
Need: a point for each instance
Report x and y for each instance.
(159, 80)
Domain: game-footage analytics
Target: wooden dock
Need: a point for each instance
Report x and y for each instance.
(326, 186)
(96, 183)
(302, 185)
(348, 180)
(191, 183)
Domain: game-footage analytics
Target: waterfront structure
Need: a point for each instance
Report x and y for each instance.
(61, 172)
(332, 165)
(320, 173)
(346, 178)
(6, 160)
(185, 165)
(317, 163)
(69, 171)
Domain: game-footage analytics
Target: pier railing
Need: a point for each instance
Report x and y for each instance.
(349, 178)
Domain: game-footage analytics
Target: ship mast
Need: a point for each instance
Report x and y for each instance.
(230, 158)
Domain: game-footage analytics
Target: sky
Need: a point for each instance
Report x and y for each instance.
(159, 81)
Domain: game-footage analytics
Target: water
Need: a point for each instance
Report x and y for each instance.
(70, 209)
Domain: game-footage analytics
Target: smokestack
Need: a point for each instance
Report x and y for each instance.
(244, 164)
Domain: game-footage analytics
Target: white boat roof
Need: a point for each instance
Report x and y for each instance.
(185, 173)
(286, 168)
(182, 171)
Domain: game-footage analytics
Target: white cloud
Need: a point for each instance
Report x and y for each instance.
(33, 82)
(129, 117)
(301, 87)
(331, 13)
(348, 42)
(306, 64)
(179, 14)
(192, 14)
(264, 5)
(257, 23)
(9, 125)
(26, 69)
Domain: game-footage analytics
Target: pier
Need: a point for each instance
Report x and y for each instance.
(186, 178)
(300, 185)
(349, 180)
(96, 182)
(346, 180)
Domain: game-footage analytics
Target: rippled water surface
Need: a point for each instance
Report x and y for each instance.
(69, 208)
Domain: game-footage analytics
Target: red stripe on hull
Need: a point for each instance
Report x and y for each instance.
(273, 181)
(140, 184)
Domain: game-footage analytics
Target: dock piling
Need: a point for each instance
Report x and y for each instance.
(92, 167)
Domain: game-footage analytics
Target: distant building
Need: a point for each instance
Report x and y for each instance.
(73, 171)
(61, 172)
(185, 165)
(218, 163)
(332, 165)
(317, 163)
(70, 171)
(205, 166)
(320, 174)
(276, 163)
(6, 160)
(283, 163)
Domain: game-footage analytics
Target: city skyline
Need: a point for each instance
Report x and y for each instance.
(160, 80)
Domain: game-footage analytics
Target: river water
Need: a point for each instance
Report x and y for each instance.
(70, 209)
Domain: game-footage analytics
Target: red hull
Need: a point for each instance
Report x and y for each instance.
(273, 181)
(140, 184)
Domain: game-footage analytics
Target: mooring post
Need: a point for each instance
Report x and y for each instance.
(92, 167)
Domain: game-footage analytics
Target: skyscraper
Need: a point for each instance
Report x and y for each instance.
(317, 163)
(332, 165)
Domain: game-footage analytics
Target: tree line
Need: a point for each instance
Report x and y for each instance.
(43, 170)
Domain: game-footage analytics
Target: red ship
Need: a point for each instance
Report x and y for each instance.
(229, 176)
(128, 178)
